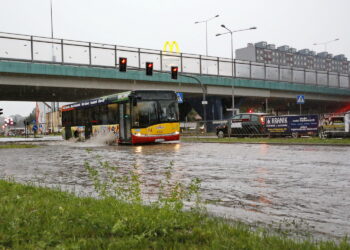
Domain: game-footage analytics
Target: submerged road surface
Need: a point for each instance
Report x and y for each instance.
(267, 184)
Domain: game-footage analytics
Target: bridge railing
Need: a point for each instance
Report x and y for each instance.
(69, 52)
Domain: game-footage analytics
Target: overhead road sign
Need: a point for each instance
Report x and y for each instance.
(300, 99)
(180, 97)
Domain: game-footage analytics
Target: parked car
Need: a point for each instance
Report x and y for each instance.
(245, 124)
(334, 125)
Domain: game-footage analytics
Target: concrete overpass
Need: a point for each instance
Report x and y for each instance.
(72, 71)
(25, 81)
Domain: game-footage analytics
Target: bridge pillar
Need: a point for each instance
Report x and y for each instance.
(214, 108)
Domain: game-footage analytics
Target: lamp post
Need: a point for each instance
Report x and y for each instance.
(53, 104)
(229, 31)
(53, 52)
(51, 19)
(206, 31)
(326, 43)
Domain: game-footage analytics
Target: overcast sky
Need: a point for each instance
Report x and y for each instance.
(148, 24)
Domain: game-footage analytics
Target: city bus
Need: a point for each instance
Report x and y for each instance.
(133, 117)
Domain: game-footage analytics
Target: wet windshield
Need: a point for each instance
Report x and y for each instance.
(145, 113)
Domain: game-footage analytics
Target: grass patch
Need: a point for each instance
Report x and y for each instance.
(37, 218)
(310, 140)
(18, 146)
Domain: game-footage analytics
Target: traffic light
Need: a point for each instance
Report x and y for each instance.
(1, 111)
(149, 68)
(174, 70)
(122, 64)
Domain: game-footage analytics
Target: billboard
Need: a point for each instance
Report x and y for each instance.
(302, 124)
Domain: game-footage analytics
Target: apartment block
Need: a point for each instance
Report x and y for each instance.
(262, 52)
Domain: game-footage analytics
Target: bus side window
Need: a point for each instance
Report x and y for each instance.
(95, 114)
(69, 117)
(79, 116)
(104, 114)
(87, 115)
(74, 117)
(64, 118)
(113, 113)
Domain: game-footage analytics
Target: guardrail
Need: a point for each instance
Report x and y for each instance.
(70, 52)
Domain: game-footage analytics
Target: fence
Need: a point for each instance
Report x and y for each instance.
(69, 52)
(255, 125)
(220, 128)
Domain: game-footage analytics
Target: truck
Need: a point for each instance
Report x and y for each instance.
(334, 125)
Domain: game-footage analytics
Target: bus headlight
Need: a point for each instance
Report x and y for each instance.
(138, 134)
(177, 132)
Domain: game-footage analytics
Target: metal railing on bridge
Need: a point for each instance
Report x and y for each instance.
(69, 52)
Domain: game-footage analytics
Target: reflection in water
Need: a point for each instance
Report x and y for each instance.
(138, 149)
(255, 183)
(177, 147)
(263, 187)
(264, 149)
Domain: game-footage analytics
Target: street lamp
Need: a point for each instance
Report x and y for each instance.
(229, 31)
(206, 31)
(53, 52)
(53, 104)
(326, 43)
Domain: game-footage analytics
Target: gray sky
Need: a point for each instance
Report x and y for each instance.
(148, 24)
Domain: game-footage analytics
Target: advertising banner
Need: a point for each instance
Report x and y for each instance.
(302, 124)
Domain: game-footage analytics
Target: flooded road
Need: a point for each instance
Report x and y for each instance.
(254, 183)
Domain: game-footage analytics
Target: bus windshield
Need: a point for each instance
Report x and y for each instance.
(147, 113)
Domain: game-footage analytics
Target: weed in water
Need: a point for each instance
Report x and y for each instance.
(110, 181)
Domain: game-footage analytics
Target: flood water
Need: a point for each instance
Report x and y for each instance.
(253, 183)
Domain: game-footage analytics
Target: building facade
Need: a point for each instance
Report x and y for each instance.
(262, 52)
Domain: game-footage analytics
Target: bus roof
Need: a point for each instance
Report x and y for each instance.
(119, 97)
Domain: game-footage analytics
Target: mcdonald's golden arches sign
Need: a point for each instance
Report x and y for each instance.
(170, 45)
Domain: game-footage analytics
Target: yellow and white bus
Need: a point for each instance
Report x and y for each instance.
(134, 117)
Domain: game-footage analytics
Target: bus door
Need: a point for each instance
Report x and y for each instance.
(125, 122)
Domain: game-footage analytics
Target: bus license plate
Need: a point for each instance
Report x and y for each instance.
(159, 140)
